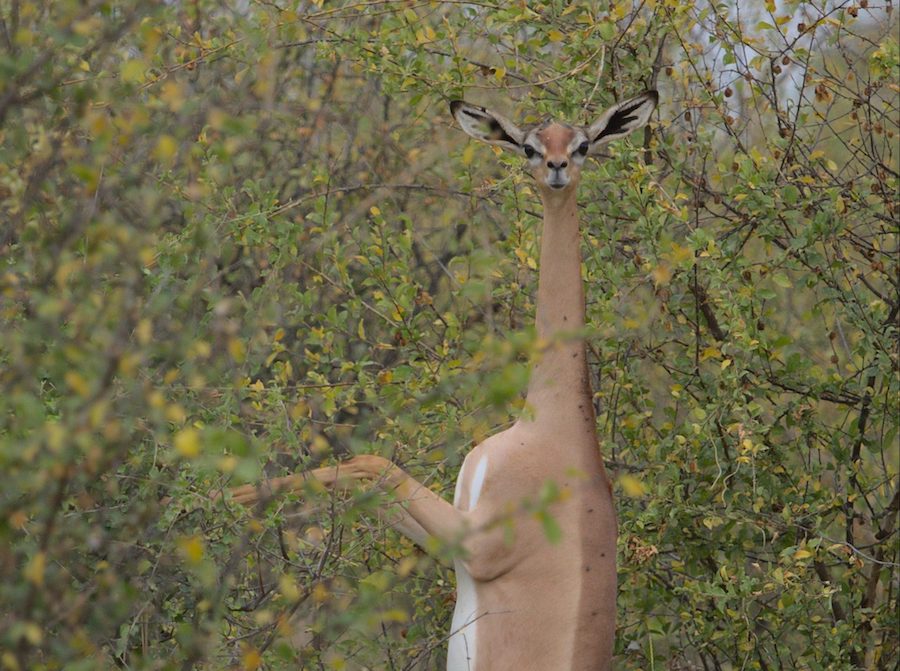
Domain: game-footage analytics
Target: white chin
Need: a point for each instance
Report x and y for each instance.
(557, 185)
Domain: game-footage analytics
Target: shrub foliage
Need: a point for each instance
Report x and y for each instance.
(243, 239)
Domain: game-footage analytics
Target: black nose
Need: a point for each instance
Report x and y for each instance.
(557, 166)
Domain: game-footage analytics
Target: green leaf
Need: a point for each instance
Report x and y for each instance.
(550, 526)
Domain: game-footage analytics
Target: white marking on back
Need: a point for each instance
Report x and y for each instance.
(478, 482)
(457, 493)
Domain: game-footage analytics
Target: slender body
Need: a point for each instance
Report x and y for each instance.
(526, 601)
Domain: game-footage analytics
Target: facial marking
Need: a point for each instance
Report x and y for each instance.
(553, 163)
(556, 138)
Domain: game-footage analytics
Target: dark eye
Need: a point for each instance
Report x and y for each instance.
(583, 148)
(529, 151)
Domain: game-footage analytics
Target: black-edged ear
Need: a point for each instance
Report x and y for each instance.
(487, 126)
(621, 119)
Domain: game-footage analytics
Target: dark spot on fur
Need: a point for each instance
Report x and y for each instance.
(595, 613)
(590, 510)
(602, 554)
(565, 319)
(587, 568)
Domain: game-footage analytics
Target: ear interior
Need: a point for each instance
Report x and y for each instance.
(485, 125)
(623, 118)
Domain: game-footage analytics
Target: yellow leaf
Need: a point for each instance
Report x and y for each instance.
(712, 522)
(86, 27)
(237, 350)
(65, 271)
(33, 633)
(839, 205)
(395, 615)
(172, 93)
(374, 211)
(632, 486)
(144, 331)
(680, 255)
(34, 569)
(187, 443)
(407, 564)
(468, 154)
(709, 353)
(802, 554)
(132, 71)
(662, 275)
(288, 588)
(319, 444)
(192, 548)
(320, 593)
(77, 383)
(24, 37)
(227, 464)
(556, 36)
(175, 413)
(299, 409)
(166, 148)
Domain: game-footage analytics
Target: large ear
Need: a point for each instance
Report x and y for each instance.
(622, 119)
(485, 125)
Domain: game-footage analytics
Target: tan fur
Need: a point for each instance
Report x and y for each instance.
(556, 139)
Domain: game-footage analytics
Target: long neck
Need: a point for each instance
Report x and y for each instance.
(559, 379)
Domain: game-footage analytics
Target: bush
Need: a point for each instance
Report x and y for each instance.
(244, 239)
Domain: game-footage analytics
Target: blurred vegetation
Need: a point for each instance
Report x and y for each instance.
(243, 238)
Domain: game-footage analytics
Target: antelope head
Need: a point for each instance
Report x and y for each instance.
(555, 151)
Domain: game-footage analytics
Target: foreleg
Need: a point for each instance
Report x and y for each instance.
(423, 513)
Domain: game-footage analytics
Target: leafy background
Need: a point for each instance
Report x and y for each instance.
(243, 239)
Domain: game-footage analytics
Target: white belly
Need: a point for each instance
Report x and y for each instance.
(463, 631)
(461, 651)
